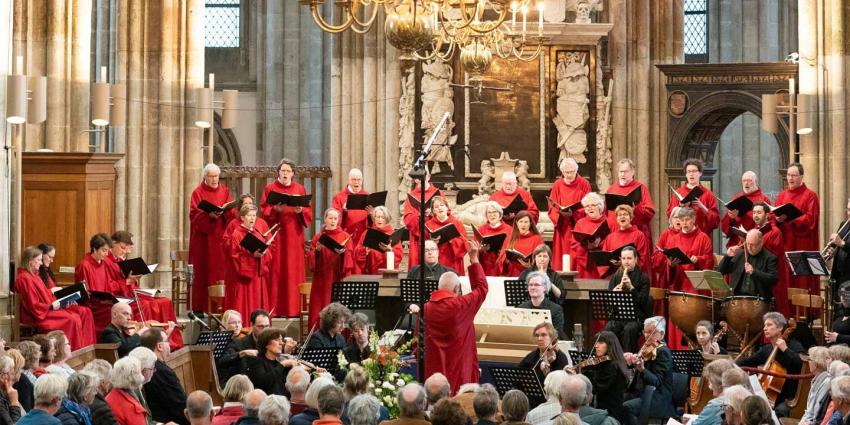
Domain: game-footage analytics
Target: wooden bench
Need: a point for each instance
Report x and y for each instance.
(80, 358)
(195, 367)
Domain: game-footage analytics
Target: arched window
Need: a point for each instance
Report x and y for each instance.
(695, 35)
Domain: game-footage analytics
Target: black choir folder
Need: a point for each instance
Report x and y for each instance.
(445, 233)
(494, 242)
(332, 243)
(513, 254)
(209, 207)
(788, 210)
(515, 206)
(601, 232)
(612, 200)
(603, 258)
(254, 244)
(741, 203)
(564, 208)
(375, 237)
(360, 202)
(692, 195)
(136, 266)
(76, 292)
(677, 254)
(277, 198)
(414, 201)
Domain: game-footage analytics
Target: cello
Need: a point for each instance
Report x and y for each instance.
(772, 385)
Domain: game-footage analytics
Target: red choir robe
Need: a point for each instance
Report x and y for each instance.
(659, 273)
(206, 252)
(259, 224)
(247, 276)
(453, 251)
(36, 299)
(411, 221)
(98, 277)
(354, 222)
(727, 223)
(160, 309)
(644, 210)
(621, 238)
(525, 244)
(490, 261)
(801, 234)
(706, 222)
(565, 194)
(369, 261)
(581, 259)
(450, 340)
(328, 267)
(504, 200)
(288, 269)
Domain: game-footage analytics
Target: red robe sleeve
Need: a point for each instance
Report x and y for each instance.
(532, 206)
(807, 224)
(200, 219)
(36, 302)
(645, 209)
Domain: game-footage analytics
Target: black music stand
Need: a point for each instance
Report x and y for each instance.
(516, 292)
(578, 356)
(322, 357)
(410, 291)
(355, 295)
(217, 339)
(613, 305)
(525, 380)
(689, 362)
(807, 263)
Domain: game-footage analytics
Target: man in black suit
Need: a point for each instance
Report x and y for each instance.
(433, 268)
(118, 330)
(752, 268)
(164, 393)
(232, 362)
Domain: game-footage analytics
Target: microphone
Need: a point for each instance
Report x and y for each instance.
(195, 318)
(578, 336)
(190, 274)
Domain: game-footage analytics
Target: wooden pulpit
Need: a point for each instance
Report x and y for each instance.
(67, 198)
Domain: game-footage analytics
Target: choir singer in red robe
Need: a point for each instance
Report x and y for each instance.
(288, 265)
(510, 190)
(411, 216)
(98, 276)
(329, 264)
(453, 251)
(626, 183)
(624, 235)
(370, 261)
(206, 252)
(772, 238)
(708, 215)
(490, 261)
(450, 341)
(801, 233)
(260, 224)
(40, 308)
(353, 221)
(594, 207)
(566, 191)
(732, 218)
(525, 238)
(248, 272)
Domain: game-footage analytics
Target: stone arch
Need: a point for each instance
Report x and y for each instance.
(226, 151)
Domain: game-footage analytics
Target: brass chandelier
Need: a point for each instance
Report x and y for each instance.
(428, 29)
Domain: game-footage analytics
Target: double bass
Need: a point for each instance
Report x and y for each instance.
(772, 385)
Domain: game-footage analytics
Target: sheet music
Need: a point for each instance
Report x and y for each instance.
(815, 265)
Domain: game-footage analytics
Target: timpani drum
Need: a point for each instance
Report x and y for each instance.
(744, 314)
(686, 310)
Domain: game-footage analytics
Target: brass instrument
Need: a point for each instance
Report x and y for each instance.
(829, 250)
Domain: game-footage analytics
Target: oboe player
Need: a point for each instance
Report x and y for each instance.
(630, 278)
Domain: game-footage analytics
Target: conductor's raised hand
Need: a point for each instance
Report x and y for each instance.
(474, 247)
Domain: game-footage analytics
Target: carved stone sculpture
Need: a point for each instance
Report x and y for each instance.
(406, 106)
(487, 182)
(521, 171)
(583, 8)
(437, 100)
(571, 106)
(604, 130)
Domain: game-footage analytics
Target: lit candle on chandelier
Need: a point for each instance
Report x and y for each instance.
(524, 20)
(514, 7)
(540, 18)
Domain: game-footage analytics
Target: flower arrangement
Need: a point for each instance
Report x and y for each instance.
(384, 367)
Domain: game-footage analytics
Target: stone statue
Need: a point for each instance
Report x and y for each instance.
(406, 111)
(604, 129)
(521, 171)
(583, 8)
(487, 182)
(437, 100)
(571, 107)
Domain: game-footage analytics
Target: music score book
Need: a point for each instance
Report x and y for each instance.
(332, 243)
(513, 254)
(707, 280)
(357, 201)
(276, 198)
(252, 243)
(493, 242)
(136, 266)
(375, 237)
(790, 212)
(446, 233)
(741, 203)
(612, 200)
(515, 206)
(574, 207)
(692, 195)
(414, 201)
(77, 288)
(677, 254)
(603, 258)
(209, 207)
(601, 232)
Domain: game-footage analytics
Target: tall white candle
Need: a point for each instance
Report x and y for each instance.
(540, 19)
(390, 260)
(565, 262)
(524, 20)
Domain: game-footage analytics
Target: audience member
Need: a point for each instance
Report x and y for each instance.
(515, 407)
(127, 380)
(49, 391)
(756, 411)
(734, 397)
(63, 353)
(21, 383)
(32, 354)
(101, 413)
(357, 383)
(47, 352)
(163, 392)
(819, 360)
(566, 419)
(486, 404)
(572, 395)
(411, 406)
(551, 408)
(331, 403)
(448, 412)
(234, 392)
(311, 413)
(364, 409)
(437, 388)
(591, 415)
(465, 396)
(712, 413)
(82, 388)
(297, 382)
(274, 410)
(10, 407)
(251, 407)
(199, 408)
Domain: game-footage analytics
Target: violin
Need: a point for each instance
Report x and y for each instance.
(304, 363)
(649, 351)
(591, 361)
(136, 326)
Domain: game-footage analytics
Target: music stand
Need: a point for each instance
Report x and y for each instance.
(807, 263)
(613, 305)
(578, 356)
(711, 280)
(525, 380)
(410, 291)
(217, 339)
(322, 357)
(355, 295)
(516, 292)
(689, 362)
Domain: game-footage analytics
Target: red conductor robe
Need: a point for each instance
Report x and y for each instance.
(288, 268)
(99, 277)
(411, 221)
(565, 194)
(453, 251)
(450, 340)
(328, 267)
(160, 309)
(36, 299)
(585, 268)
(354, 222)
(525, 244)
(369, 261)
(247, 276)
(490, 261)
(706, 221)
(504, 200)
(801, 234)
(644, 210)
(621, 238)
(206, 252)
(746, 220)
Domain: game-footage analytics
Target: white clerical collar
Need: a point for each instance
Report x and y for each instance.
(625, 184)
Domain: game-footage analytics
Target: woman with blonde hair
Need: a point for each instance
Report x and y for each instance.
(63, 353)
(368, 260)
(489, 255)
(234, 391)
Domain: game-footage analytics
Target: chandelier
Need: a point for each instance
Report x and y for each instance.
(428, 29)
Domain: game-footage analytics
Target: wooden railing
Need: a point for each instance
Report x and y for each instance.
(316, 180)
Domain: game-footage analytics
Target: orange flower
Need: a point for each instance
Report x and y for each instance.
(382, 359)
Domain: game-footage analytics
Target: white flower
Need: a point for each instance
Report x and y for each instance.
(388, 385)
(388, 399)
(392, 376)
(378, 391)
(400, 382)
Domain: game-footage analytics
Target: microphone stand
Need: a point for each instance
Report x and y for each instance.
(418, 173)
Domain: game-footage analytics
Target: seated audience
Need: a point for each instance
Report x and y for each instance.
(49, 391)
(712, 413)
(10, 407)
(591, 415)
(364, 409)
(840, 352)
(331, 402)
(515, 407)
(274, 410)
(734, 396)
(542, 262)
(332, 320)
(544, 412)
(437, 388)
(411, 406)
(572, 396)
(358, 350)
(297, 382)
(756, 411)
(237, 387)
(251, 407)
(819, 360)
(46, 355)
(199, 408)
(566, 420)
(840, 333)
(127, 381)
(538, 286)
(81, 391)
(265, 371)
(311, 413)
(448, 412)
(21, 384)
(63, 352)
(164, 393)
(486, 405)
(32, 354)
(356, 383)
(119, 330)
(101, 413)
(465, 396)
(546, 357)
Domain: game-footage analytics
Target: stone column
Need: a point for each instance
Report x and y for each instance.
(6, 157)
